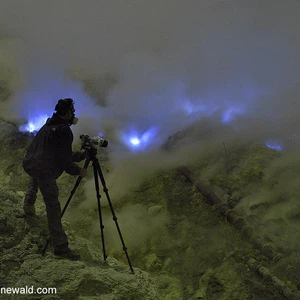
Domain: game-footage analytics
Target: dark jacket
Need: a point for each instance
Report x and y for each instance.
(50, 152)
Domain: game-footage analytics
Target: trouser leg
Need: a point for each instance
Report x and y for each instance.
(32, 190)
(49, 190)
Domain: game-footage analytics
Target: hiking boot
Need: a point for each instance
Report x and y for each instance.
(66, 252)
(28, 205)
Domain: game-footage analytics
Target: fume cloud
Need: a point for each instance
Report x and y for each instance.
(172, 62)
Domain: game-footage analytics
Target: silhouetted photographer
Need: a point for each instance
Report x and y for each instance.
(90, 145)
(48, 156)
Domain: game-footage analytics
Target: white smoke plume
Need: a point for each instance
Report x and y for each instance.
(171, 63)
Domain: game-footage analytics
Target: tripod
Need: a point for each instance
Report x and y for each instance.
(92, 152)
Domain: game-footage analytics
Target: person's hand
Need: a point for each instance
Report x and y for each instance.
(83, 172)
(83, 155)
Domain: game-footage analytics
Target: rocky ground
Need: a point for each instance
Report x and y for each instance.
(180, 245)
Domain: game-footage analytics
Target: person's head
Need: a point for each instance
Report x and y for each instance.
(65, 109)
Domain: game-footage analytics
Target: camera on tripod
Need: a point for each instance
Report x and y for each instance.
(90, 144)
(95, 142)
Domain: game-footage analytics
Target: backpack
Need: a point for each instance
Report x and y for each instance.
(39, 159)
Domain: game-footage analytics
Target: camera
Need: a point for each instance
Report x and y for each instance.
(88, 142)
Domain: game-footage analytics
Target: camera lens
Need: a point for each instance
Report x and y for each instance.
(104, 144)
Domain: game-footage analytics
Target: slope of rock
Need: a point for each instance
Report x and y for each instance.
(189, 249)
(23, 265)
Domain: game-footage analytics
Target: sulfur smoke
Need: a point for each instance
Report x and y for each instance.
(148, 69)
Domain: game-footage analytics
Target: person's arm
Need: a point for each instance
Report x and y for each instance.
(79, 156)
(64, 152)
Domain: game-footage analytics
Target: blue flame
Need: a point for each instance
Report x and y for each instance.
(273, 145)
(230, 114)
(135, 141)
(139, 142)
(198, 109)
(228, 111)
(34, 124)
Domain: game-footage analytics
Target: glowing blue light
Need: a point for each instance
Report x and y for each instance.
(230, 114)
(139, 142)
(198, 108)
(135, 141)
(31, 127)
(188, 107)
(227, 117)
(34, 124)
(274, 146)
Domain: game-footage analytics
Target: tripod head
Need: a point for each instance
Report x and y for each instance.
(88, 142)
(91, 144)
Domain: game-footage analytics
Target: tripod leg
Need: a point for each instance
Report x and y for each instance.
(99, 209)
(86, 164)
(98, 169)
(87, 161)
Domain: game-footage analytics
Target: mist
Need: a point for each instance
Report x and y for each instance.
(220, 68)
